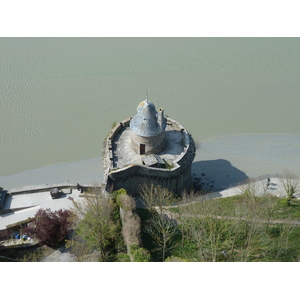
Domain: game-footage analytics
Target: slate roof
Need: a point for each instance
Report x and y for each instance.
(153, 159)
(144, 123)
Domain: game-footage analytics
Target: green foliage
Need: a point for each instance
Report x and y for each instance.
(291, 185)
(238, 228)
(116, 195)
(34, 256)
(123, 257)
(99, 224)
(176, 259)
(100, 233)
(284, 211)
(79, 248)
(139, 254)
(235, 206)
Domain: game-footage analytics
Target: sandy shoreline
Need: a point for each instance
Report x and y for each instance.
(232, 159)
(219, 163)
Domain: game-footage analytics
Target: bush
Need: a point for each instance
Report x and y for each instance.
(176, 259)
(49, 227)
(117, 194)
(139, 254)
(123, 257)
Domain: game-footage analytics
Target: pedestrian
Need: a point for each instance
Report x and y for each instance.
(78, 186)
(268, 183)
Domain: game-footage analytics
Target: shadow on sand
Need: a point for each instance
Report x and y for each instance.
(216, 175)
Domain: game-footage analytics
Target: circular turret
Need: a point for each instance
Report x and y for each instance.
(148, 129)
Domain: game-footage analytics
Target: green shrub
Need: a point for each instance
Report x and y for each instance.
(123, 257)
(139, 254)
(176, 259)
(117, 194)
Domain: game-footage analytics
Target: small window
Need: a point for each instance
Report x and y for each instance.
(142, 149)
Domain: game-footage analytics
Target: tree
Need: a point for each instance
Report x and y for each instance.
(79, 248)
(138, 254)
(291, 185)
(98, 221)
(163, 232)
(49, 227)
(157, 196)
(239, 236)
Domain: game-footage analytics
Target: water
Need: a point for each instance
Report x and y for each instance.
(59, 96)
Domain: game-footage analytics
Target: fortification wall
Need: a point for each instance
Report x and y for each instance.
(176, 179)
(131, 178)
(107, 154)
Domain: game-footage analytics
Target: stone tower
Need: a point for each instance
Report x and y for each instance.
(148, 127)
(148, 148)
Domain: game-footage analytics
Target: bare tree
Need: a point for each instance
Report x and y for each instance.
(163, 231)
(157, 196)
(234, 237)
(291, 185)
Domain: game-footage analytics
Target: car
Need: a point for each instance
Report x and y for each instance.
(55, 193)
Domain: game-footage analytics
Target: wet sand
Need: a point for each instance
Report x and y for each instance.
(230, 160)
(220, 163)
(88, 171)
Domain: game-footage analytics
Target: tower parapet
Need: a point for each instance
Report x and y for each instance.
(148, 137)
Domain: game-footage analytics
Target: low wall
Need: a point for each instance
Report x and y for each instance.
(43, 188)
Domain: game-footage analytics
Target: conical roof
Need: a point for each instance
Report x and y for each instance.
(144, 123)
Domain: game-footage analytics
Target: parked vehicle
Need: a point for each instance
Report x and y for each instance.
(55, 193)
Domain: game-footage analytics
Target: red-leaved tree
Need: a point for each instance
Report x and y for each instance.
(49, 227)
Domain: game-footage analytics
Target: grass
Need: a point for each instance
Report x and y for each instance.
(231, 206)
(242, 240)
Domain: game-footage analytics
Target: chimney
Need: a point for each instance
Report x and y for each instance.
(160, 117)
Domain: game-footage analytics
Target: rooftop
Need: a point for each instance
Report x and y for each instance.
(145, 122)
(124, 155)
(153, 159)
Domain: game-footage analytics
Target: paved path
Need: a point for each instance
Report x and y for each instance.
(25, 206)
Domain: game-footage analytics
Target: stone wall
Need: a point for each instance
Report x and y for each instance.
(176, 179)
(43, 188)
(153, 144)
